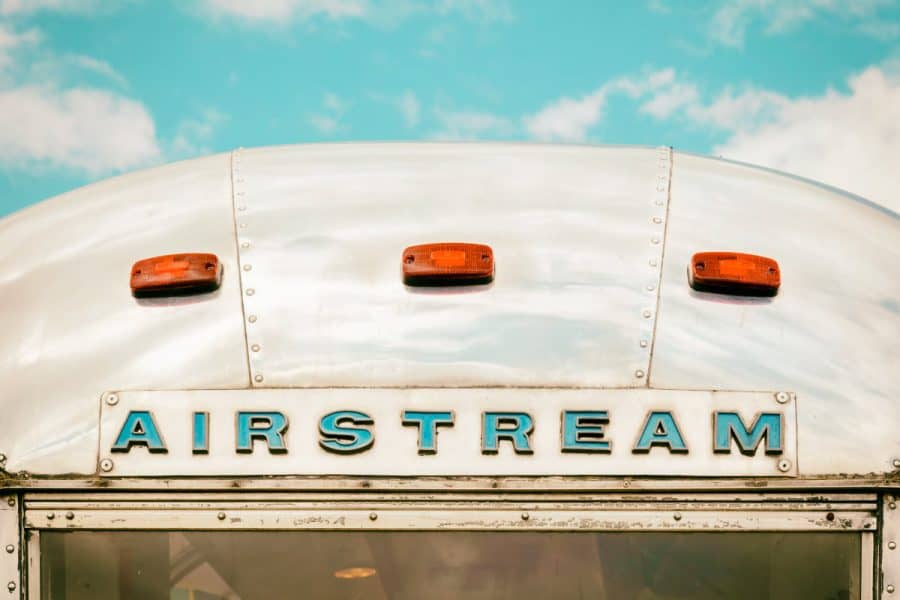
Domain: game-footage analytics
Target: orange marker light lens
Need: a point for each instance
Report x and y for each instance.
(448, 263)
(734, 273)
(176, 274)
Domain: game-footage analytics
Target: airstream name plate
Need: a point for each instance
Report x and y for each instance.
(408, 432)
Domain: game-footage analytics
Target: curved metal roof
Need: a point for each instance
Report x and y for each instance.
(591, 244)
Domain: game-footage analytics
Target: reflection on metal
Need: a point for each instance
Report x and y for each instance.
(495, 432)
(890, 553)
(427, 423)
(10, 547)
(824, 336)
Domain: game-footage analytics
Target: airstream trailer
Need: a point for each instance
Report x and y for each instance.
(446, 371)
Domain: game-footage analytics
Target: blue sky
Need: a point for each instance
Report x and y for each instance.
(89, 88)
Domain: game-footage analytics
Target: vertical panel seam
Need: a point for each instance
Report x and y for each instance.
(663, 201)
(233, 163)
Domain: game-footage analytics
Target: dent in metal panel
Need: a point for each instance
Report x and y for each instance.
(10, 548)
(831, 332)
(71, 328)
(322, 231)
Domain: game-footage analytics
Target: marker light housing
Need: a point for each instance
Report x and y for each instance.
(448, 263)
(734, 273)
(176, 274)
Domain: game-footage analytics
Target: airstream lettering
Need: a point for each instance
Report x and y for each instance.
(350, 431)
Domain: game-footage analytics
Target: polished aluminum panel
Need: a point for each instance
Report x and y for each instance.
(71, 328)
(831, 333)
(461, 448)
(575, 233)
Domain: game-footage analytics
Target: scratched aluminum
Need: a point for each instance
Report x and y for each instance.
(394, 451)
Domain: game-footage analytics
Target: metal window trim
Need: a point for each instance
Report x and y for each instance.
(854, 513)
(888, 578)
(10, 546)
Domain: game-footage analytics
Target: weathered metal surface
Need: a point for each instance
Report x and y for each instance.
(889, 580)
(484, 516)
(831, 332)
(298, 448)
(10, 548)
(71, 327)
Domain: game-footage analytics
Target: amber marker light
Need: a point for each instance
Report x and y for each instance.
(734, 273)
(355, 573)
(448, 263)
(176, 274)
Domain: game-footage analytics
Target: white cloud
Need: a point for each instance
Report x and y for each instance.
(567, 119)
(667, 101)
(409, 108)
(280, 10)
(570, 119)
(731, 20)
(50, 119)
(383, 12)
(328, 121)
(850, 140)
(91, 130)
(193, 136)
(471, 125)
(25, 7)
(11, 40)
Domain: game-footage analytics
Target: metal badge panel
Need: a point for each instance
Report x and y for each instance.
(71, 328)
(461, 449)
(831, 332)
(576, 234)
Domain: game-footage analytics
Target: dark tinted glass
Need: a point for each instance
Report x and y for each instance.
(448, 565)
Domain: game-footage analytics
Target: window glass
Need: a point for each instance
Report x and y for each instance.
(125, 565)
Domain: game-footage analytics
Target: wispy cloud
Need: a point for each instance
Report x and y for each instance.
(406, 104)
(383, 12)
(731, 20)
(193, 136)
(27, 7)
(571, 119)
(471, 125)
(90, 130)
(328, 120)
(49, 116)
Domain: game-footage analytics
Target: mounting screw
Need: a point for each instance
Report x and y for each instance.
(248, 267)
(11, 586)
(252, 318)
(250, 291)
(784, 465)
(221, 516)
(70, 515)
(639, 374)
(11, 501)
(373, 517)
(892, 545)
(647, 314)
(782, 397)
(889, 589)
(106, 465)
(10, 549)
(255, 347)
(896, 463)
(892, 505)
(258, 378)
(677, 516)
(643, 343)
(51, 516)
(525, 516)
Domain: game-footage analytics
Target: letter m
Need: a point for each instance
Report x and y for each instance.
(728, 426)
